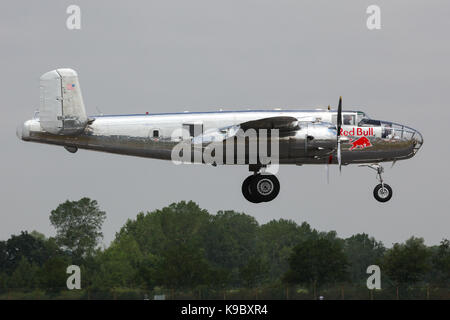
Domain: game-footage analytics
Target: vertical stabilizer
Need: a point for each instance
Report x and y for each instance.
(61, 105)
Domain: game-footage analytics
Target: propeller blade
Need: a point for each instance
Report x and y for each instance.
(339, 154)
(339, 117)
(339, 124)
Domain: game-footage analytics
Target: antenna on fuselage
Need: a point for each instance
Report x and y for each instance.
(98, 110)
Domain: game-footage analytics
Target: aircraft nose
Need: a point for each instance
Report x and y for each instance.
(399, 132)
(417, 138)
(412, 135)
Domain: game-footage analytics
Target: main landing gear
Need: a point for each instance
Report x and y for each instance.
(382, 191)
(260, 187)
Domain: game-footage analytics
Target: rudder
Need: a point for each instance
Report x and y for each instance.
(61, 103)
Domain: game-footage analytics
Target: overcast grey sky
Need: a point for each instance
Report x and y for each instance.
(170, 56)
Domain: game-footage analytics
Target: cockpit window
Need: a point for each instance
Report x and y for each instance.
(369, 123)
(362, 114)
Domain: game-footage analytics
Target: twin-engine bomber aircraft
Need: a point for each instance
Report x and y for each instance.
(320, 136)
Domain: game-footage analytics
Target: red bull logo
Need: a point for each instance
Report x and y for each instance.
(361, 143)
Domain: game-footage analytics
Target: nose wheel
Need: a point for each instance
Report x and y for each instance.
(260, 188)
(382, 191)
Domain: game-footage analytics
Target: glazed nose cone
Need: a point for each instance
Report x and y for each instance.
(418, 140)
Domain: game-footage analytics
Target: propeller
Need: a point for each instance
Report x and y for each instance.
(338, 138)
(338, 128)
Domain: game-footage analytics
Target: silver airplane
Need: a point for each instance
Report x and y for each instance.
(297, 137)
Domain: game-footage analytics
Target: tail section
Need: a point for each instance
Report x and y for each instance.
(61, 104)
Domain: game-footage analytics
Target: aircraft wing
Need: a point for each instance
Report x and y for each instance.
(282, 123)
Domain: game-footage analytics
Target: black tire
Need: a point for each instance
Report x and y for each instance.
(246, 189)
(382, 195)
(264, 187)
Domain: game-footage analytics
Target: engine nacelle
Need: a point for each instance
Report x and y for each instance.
(313, 140)
(321, 135)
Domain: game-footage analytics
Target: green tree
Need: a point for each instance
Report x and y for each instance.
(24, 276)
(3, 282)
(3, 257)
(171, 242)
(147, 270)
(254, 272)
(182, 266)
(219, 278)
(441, 263)
(52, 276)
(407, 263)
(317, 262)
(38, 235)
(362, 251)
(119, 264)
(278, 238)
(231, 239)
(78, 225)
(35, 250)
(182, 222)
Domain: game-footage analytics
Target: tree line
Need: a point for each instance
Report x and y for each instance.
(184, 247)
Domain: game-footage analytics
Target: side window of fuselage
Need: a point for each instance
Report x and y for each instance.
(154, 134)
(347, 119)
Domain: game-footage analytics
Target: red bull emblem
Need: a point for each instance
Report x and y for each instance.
(361, 143)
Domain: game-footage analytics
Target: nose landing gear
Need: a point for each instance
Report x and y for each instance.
(260, 187)
(382, 191)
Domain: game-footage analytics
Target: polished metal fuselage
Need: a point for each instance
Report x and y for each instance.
(314, 142)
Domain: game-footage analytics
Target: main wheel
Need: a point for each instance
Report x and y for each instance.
(264, 188)
(382, 192)
(246, 192)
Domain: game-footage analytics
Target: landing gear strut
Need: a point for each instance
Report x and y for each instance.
(260, 187)
(382, 191)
